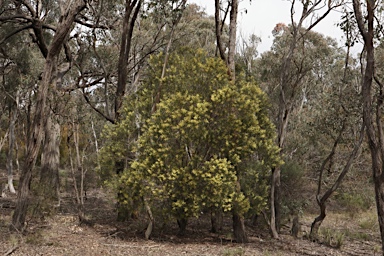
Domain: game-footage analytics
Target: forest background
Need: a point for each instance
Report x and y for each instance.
(175, 116)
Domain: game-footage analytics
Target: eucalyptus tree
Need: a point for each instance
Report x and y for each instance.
(15, 69)
(301, 54)
(337, 117)
(38, 22)
(197, 30)
(111, 55)
(20, 69)
(144, 27)
(313, 12)
(246, 56)
(336, 131)
(222, 9)
(33, 17)
(366, 15)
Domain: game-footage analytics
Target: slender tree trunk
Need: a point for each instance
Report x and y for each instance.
(275, 193)
(379, 192)
(73, 173)
(218, 26)
(274, 181)
(11, 144)
(219, 22)
(232, 38)
(151, 220)
(323, 200)
(40, 113)
(216, 220)
(96, 145)
(122, 66)
(182, 222)
(166, 58)
(80, 170)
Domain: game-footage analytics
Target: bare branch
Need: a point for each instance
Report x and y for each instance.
(83, 86)
(89, 25)
(219, 31)
(330, 8)
(96, 109)
(16, 17)
(29, 7)
(359, 18)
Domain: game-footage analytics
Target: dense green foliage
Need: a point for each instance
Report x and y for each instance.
(189, 153)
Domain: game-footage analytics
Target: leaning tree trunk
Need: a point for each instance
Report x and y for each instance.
(40, 113)
(50, 160)
(34, 142)
(374, 128)
(286, 96)
(321, 201)
(275, 191)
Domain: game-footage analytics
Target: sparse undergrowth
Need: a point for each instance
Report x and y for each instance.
(61, 234)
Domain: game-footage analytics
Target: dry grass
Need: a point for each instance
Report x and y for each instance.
(61, 234)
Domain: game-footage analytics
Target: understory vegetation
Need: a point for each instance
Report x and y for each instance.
(153, 127)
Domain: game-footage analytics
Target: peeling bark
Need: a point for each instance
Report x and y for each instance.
(40, 114)
(125, 48)
(50, 160)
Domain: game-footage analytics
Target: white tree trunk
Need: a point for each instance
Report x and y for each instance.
(11, 145)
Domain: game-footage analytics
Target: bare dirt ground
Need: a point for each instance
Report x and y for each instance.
(61, 234)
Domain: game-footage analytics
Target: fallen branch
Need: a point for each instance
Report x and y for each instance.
(132, 246)
(10, 251)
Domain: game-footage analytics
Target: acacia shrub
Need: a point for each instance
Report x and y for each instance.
(206, 136)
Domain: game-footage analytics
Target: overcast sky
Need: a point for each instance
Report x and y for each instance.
(262, 16)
